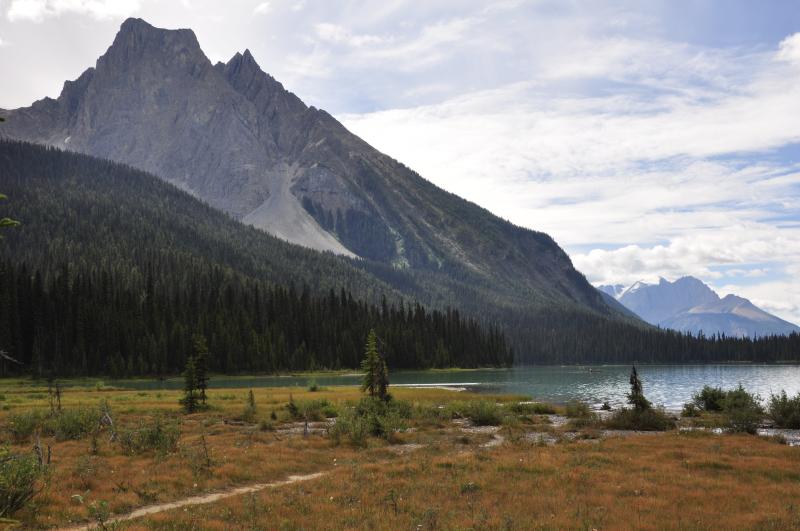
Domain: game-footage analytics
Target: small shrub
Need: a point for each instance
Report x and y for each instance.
(313, 410)
(19, 475)
(199, 458)
(313, 386)
(351, 426)
(742, 410)
(785, 411)
(480, 412)
(64, 425)
(710, 398)
(72, 424)
(690, 410)
(100, 512)
(534, 408)
(382, 418)
(24, 424)
(652, 419)
(371, 416)
(249, 413)
(578, 410)
(292, 408)
(158, 436)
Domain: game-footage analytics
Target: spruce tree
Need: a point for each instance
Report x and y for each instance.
(189, 400)
(376, 374)
(636, 397)
(201, 366)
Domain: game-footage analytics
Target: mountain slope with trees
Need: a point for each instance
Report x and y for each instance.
(113, 271)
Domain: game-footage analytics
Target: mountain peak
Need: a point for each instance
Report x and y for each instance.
(689, 305)
(135, 25)
(243, 62)
(136, 38)
(731, 298)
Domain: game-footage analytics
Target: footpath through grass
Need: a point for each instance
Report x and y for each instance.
(429, 459)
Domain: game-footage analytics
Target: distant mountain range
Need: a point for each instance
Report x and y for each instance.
(689, 305)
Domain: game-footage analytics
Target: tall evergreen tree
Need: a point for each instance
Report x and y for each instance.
(201, 366)
(376, 374)
(189, 400)
(636, 397)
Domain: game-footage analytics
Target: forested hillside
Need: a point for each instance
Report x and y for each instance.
(113, 270)
(570, 338)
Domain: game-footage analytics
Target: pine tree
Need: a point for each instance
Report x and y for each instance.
(636, 397)
(376, 374)
(249, 414)
(201, 366)
(189, 400)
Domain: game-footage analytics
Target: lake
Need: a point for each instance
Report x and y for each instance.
(667, 385)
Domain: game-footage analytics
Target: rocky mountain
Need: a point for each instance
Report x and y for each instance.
(614, 290)
(690, 305)
(232, 136)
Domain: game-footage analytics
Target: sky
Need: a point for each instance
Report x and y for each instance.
(657, 138)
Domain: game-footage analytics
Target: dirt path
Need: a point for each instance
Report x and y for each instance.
(463, 426)
(199, 500)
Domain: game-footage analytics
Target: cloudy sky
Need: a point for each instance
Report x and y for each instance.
(657, 138)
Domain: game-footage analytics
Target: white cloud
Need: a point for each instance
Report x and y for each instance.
(340, 35)
(678, 152)
(698, 254)
(38, 10)
(790, 49)
(262, 8)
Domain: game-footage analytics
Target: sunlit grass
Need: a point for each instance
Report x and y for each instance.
(433, 475)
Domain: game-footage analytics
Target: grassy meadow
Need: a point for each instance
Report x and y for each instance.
(434, 459)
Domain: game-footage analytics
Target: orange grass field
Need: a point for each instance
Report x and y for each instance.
(433, 476)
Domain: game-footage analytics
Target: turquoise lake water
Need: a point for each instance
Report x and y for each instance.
(667, 385)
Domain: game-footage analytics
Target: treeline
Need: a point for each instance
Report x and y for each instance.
(90, 323)
(580, 338)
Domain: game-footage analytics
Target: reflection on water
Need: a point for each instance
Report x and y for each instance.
(668, 385)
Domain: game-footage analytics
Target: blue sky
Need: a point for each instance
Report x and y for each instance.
(649, 139)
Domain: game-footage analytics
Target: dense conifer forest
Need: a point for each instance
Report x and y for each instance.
(88, 323)
(578, 338)
(113, 270)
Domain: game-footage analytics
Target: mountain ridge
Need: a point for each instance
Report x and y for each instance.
(231, 135)
(689, 305)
